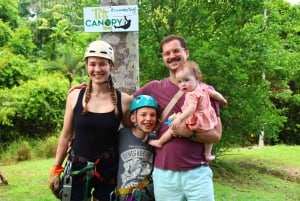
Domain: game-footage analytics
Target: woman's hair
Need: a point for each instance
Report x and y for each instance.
(192, 67)
(112, 94)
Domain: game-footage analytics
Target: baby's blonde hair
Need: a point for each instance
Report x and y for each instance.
(192, 67)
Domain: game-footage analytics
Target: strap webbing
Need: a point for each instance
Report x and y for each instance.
(171, 105)
(128, 190)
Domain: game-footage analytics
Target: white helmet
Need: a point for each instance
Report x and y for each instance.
(100, 48)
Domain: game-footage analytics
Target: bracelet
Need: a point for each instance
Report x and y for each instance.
(193, 136)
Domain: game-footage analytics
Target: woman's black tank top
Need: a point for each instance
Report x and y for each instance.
(95, 133)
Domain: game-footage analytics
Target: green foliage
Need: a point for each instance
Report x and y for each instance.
(18, 150)
(59, 23)
(24, 151)
(5, 33)
(9, 12)
(21, 43)
(69, 65)
(49, 147)
(37, 107)
(239, 50)
(14, 69)
(290, 133)
(286, 72)
(4, 114)
(32, 104)
(248, 50)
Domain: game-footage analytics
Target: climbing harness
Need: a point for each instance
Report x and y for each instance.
(134, 193)
(89, 170)
(67, 183)
(67, 179)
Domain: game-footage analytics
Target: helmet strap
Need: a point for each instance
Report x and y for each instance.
(136, 124)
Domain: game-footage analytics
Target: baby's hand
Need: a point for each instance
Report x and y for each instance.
(175, 123)
(171, 118)
(224, 103)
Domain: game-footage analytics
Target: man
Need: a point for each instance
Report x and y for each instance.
(180, 169)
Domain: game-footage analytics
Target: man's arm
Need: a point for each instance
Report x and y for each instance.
(211, 136)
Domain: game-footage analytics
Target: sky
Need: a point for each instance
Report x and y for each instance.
(293, 1)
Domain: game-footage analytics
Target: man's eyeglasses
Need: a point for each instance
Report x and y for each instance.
(174, 51)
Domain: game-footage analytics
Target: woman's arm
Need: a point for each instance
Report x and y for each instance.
(67, 132)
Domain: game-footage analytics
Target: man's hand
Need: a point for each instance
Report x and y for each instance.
(181, 130)
(54, 179)
(211, 136)
(80, 86)
(175, 123)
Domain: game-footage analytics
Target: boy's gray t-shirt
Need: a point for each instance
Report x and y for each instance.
(135, 159)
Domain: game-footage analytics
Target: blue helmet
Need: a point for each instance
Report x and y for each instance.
(143, 101)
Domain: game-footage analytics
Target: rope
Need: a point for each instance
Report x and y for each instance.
(88, 167)
(89, 175)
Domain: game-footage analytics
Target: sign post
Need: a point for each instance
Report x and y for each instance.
(118, 21)
(111, 19)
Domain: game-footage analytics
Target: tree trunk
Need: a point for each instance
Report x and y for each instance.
(126, 49)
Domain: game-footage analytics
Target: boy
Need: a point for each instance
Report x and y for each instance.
(134, 180)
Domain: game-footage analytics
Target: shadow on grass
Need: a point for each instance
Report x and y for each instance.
(239, 170)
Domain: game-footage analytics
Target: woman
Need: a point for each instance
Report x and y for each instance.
(92, 118)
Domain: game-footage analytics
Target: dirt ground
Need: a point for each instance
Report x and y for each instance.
(287, 173)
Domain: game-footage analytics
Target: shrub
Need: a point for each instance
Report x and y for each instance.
(14, 69)
(23, 152)
(28, 149)
(35, 108)
(50, 146)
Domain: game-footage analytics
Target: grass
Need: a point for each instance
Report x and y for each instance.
(258, 174)
(28, 181)
(266, 174)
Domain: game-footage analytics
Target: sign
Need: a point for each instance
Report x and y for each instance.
(111, 18)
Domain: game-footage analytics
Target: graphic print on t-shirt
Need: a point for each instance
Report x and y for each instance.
(136, 164)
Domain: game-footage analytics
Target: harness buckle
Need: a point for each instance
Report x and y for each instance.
(67, 188)
(112, 196)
